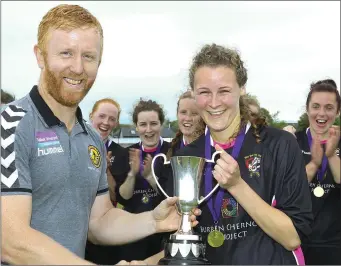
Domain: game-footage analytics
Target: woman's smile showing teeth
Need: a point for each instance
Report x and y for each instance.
(187, 125)
(104, 129)
(216, 113)
(321, 122)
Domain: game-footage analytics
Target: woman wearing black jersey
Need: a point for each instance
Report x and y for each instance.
(320, 144)
(263, 208)
(104, 117)
(189, 122)
(136, 191)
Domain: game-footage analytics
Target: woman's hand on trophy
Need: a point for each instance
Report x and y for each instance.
(134, 160)
(226, 171)
(147, 166)
(167, 218)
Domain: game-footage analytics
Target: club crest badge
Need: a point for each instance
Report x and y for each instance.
(95, 156)
(252, 163)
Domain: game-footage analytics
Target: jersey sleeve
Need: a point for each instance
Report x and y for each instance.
(16, 144)
(292, 194)
(103, 180)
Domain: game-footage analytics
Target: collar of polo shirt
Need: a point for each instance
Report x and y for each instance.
(47, 114)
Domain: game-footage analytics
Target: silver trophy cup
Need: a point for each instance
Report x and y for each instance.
(184, 247)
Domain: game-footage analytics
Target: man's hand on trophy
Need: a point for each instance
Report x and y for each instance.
(167, 218)
(134, 160)
(147, 166)
(226, 171)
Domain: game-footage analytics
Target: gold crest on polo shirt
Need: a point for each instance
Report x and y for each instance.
(95, 156)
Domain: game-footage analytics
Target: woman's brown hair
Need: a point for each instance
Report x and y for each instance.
(326, 85)
(143, 106)
(213, 55)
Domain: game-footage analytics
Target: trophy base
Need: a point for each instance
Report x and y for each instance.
(183, 261)
(184, 250)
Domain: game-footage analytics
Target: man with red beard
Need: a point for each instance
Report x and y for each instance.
(53, 168)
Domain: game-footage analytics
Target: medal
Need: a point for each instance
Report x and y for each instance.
(145, 199)
(318, 191)
(215, 239)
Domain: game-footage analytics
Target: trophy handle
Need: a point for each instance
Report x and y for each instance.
(217, 185)
(154, 176)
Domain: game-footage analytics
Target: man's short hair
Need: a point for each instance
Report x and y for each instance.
(67, 17)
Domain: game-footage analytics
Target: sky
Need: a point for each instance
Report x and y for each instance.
(148, 47)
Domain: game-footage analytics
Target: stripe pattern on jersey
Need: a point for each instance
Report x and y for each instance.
(10, 118)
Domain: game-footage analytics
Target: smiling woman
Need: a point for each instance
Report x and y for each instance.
(137, 191)
(190, 123)
(104, 118)
(321, 144)
(260, 171)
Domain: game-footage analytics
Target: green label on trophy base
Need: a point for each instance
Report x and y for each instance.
(215, 238)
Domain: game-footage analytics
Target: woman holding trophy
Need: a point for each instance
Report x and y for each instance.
(262, 208)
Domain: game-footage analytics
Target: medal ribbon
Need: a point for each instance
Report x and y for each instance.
(107, 145)
(323, 168)
(215, 210)
(182, 144)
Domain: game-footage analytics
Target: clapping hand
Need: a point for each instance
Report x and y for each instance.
(147, 166)
(134, 160)
(332, 141)
(316, 151)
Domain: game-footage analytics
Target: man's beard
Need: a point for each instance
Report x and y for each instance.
(54, 87)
